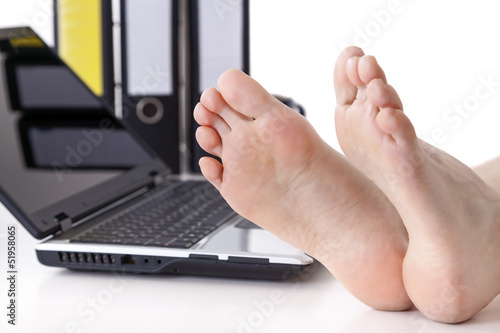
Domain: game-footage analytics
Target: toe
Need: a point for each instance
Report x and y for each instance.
(345, 90)
(245, 94)
(390, 119)
(352, 72)
(395, 123)
(383, 95)
(213, 101)
(204, 117)
(209, 140)
(369, 69)
(212, 170)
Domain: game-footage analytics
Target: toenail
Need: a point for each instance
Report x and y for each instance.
(351, 59)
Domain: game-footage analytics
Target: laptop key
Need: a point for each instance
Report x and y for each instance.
(195, 236)
(140, 241)
(189, 240)
(180, 244)
(218, 218)
(161, 241)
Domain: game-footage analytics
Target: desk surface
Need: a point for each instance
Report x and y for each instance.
(58, 300)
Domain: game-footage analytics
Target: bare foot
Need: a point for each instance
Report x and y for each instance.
(278, 173)
(452, 267)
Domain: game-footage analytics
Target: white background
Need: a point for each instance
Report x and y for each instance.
(434, 53)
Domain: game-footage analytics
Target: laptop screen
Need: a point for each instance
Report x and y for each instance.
(57, 139)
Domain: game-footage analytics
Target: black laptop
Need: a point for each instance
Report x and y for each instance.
(79, 179)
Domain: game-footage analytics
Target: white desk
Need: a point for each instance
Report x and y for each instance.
(56, 300)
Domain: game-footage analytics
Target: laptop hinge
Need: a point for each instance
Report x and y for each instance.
(64, 221)
(157, 178)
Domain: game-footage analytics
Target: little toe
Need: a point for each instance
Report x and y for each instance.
(204, 117)
(345, 90)
(369, 69)
(212, 170)
(209, 140)
(245, 94)
(383, 95)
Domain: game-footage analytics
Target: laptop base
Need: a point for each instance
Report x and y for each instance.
(198, 265)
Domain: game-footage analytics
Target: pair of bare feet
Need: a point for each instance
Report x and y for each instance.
(398, 222)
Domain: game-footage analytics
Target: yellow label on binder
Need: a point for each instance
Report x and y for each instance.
(32, 41)
(79, 28)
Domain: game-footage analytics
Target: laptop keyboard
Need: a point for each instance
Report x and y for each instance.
(175, 217)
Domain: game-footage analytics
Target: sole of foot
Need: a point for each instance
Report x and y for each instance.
(277, 172)
(451, 270)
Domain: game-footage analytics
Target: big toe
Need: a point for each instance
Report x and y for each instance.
(345, 90)
(246, 95)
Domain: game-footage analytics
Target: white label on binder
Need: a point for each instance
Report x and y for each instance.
(149, 47)
(221, 39)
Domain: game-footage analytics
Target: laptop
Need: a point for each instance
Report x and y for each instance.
(100, 199)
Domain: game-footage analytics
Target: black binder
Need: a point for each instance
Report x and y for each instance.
(150, 74)
(219, 40)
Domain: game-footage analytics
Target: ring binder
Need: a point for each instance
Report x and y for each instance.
(150, 77)
(219, 41)
(83, 39)
(153, 88)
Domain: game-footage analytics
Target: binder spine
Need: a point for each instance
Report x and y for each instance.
(150, 74)
(219, 40)
(84, 40)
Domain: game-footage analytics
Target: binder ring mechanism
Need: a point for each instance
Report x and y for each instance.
(149, 110)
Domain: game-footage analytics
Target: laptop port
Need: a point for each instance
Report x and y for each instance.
(63, 256)
(88, 258)
(127, 260)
